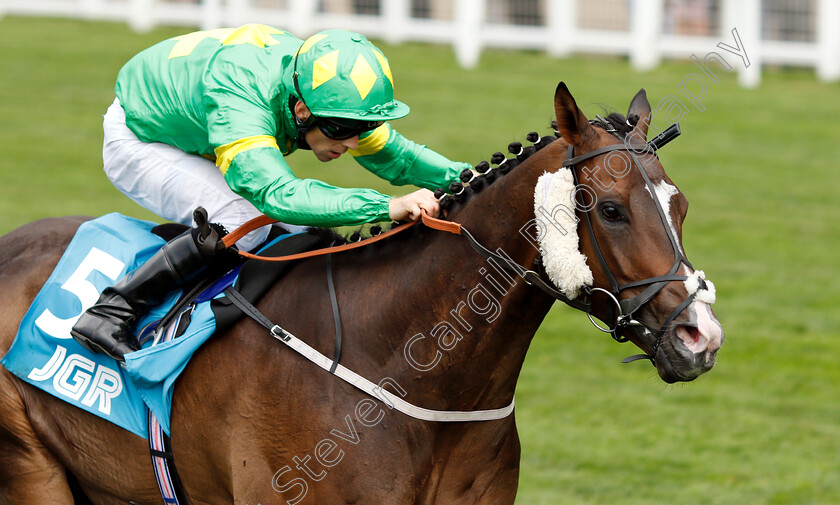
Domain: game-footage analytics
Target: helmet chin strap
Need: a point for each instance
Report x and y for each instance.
(302, 125)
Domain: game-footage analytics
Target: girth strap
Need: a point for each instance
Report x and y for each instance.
(336, 314)
(360, 382)
(160, 446)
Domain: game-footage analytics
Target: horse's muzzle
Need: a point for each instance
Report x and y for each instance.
(689, 348)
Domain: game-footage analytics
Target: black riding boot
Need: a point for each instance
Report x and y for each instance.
(108, 326)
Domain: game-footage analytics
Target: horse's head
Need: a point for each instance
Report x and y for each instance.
(630, 228)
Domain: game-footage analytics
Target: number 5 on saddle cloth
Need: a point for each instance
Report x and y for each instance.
(102, 251)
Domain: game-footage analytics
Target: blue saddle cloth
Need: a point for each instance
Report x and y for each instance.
(46, 356)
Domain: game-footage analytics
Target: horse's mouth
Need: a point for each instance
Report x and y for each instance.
(679, 357)
(668, 373)
(683, 355)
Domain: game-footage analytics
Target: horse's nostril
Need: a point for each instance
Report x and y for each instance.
(693, 333)
(692, 338)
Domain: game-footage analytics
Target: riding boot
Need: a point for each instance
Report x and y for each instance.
(108, 326)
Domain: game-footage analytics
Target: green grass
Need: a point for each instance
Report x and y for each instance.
(759, 167)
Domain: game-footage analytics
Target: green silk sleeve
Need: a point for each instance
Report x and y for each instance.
(243, 130)
(263, 177)
(400, 161)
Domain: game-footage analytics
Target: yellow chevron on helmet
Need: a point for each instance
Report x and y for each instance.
(363, 76)
(324, 68)
(339, 73)
(383, 62)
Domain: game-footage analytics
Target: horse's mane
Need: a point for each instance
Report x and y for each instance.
(484, 174)
(457, 193)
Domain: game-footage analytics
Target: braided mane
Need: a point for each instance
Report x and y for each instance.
(485, 173)
(472, 182)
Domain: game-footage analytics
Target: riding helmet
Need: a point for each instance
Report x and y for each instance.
(339, 73)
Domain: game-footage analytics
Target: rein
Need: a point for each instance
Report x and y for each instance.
(624, 308)
(261, 221)
(498, 257)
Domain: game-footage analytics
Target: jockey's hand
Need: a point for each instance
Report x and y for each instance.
(410, 206)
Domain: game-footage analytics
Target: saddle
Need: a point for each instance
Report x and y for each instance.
(251, 279)
(44, 355)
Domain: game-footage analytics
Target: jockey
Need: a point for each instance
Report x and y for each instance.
(205, 119)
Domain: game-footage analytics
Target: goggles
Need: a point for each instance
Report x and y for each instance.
(343, 129)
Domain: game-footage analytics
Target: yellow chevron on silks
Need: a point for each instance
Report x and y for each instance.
(373, 143)
(257, 35)
(226, 153)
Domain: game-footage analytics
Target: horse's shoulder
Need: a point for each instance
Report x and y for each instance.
(48, 229)
(37, 243)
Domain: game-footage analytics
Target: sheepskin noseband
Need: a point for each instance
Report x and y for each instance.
(557, 233)
(705, 294)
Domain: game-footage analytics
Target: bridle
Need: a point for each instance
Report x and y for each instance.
(623, 310)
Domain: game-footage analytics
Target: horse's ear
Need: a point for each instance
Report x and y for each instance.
(640, 107)
(571, 123)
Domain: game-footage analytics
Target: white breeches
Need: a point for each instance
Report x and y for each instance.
(172, 183)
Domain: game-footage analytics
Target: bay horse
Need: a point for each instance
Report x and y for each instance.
(254, 422)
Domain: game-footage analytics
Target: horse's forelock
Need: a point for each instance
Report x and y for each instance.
(616, 123)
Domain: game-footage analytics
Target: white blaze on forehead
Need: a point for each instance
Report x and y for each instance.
(557, 233)
(664, 193)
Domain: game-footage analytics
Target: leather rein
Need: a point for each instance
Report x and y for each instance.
(623, 310)
(528, 275)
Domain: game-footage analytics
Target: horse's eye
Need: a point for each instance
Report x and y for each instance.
(610, 213)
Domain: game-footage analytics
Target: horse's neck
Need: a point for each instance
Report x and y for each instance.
(476, 319)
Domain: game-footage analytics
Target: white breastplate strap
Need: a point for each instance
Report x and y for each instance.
(381, 394)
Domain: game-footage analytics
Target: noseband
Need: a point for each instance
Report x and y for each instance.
(623, 310)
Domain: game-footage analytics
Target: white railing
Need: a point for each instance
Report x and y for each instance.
(468, 28)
